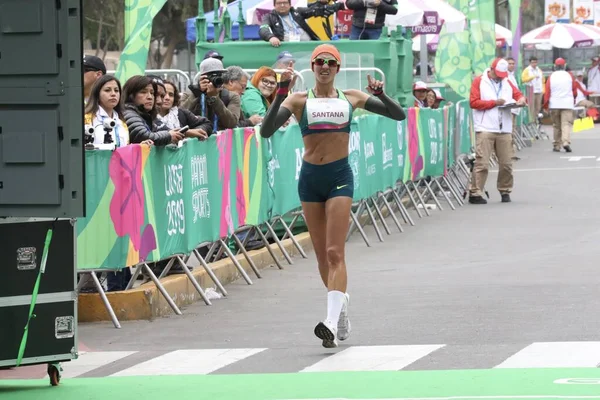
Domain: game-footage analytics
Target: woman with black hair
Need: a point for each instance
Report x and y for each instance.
(140, 112)
(104, 109)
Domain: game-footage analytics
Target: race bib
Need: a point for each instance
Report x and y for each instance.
(370, 15)
(327, 113)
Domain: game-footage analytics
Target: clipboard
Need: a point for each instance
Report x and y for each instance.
(511, 106)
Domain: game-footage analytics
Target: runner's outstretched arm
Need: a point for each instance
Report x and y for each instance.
(382, 104)
(276, 115)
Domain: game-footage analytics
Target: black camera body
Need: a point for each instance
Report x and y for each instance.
(216, 78)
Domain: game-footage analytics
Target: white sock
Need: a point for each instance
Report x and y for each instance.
(335, 302)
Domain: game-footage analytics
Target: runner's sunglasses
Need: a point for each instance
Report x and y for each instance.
(331, 62)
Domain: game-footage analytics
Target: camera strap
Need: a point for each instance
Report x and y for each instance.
(205, 114)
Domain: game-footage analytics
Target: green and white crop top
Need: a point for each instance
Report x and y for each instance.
(326, 114)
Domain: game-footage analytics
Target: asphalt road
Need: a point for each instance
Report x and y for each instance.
(485, 286)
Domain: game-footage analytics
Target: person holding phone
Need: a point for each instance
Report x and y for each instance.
(175, 117)
(326, 182)
(369, 17)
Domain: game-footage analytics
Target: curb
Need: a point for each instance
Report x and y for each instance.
(146, 303)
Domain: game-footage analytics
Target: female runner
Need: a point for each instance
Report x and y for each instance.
(326, 183)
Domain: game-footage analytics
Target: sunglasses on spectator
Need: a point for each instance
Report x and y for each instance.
(331, 62)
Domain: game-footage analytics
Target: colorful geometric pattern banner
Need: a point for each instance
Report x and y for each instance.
(149, 203)
(516, 27)
(454, 54)
(482, 21)
(139, 15)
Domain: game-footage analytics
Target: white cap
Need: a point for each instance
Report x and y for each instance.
(419, 85)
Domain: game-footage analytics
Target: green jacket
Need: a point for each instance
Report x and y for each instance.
(253, 102)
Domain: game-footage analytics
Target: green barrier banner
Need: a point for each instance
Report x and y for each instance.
(431, 123)
(450, 127)
(465, 128)
(145, 204)
(149, 203)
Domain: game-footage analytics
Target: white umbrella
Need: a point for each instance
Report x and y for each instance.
(563, 36)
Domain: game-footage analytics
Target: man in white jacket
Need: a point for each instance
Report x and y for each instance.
(561, 91)
(490, 93)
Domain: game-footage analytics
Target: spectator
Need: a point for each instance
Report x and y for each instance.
(418, 69)
(430, 98)
(369, 17)
(93, 69)
(213, 54)
(561, 91)
(420, 93)
(160, 91)
(582, 93)
(175, 118)
(493, 129)
(260, 92)
(284, 60)
(534, 77)
(140, 113)
(219, 105)
(434, 98)
(288, 24)
(593, 76)
(236, 81)
(104, 105)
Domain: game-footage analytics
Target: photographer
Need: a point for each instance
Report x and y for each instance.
(208, 98)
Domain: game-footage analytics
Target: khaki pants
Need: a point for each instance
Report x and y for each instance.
(487, 143)
(562, 121)
(536, 105)
(585, 103)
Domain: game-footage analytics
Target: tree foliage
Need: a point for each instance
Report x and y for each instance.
(104, 27)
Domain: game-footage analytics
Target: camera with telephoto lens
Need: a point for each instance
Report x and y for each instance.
(216, 78)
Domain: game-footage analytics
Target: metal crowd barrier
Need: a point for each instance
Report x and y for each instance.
(414, 193)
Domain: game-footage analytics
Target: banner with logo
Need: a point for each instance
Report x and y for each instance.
(557, 11)
(597, 13)
(583, 12)
(149, 203)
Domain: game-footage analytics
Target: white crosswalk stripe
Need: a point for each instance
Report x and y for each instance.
(555, 355)
(189, 362)
(89, 361)
(353, 358)
(373, 358)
